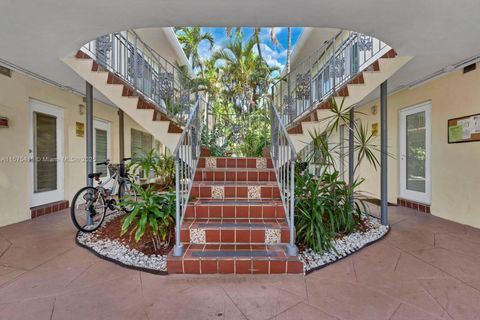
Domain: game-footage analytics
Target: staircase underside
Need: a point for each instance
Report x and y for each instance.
(137, 106)
(349, 94)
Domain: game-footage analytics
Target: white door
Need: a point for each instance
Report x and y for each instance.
(46, 153)
(415, 153)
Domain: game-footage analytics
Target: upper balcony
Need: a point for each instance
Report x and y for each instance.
(326, 72)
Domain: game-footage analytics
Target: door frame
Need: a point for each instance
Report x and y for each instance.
(422, 197)
(37, 199)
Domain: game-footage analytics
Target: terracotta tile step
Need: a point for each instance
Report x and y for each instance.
(229, 162)
(222, 175)
(234, 259)
(245, 190)
(234, 209)
(246, 231)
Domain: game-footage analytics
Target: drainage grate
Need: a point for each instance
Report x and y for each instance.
(231, 254)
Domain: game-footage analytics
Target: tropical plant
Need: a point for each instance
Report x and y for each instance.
(326, 206)
(166, 169)
(152, 214)
(323, 209)
(191, 38)
(146, 161)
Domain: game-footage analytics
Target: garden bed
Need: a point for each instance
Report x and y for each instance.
(107, 243)
(344, 246)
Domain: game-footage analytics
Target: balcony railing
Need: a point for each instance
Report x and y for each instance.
(129, 58)
(320, 76)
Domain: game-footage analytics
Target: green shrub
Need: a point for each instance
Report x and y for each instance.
(152, 213)
(327, 207)
(323, 210)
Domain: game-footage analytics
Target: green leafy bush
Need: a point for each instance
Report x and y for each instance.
(326, 206)
(323, 210)
(152, 214)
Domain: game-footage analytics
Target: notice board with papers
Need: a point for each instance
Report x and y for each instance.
(464, 129)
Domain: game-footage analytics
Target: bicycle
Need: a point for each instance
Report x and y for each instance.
(90, 204)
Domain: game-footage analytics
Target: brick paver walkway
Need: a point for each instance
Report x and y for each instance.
(426, 268)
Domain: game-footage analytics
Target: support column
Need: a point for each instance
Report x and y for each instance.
(89, 138)
(121, 134)
(351, 150)
(89, 131)
(383, 154)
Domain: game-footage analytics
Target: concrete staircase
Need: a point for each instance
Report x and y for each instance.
(349, 94)
(235, 221)
(145, 112)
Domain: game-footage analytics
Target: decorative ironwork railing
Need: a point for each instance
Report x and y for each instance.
(129, 58)
(320, 75)
(186, 155)
(283, 157)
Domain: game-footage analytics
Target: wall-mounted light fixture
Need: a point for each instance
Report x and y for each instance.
(81, 109)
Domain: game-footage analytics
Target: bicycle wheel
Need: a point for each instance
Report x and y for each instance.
(126, 192)
(88, 204)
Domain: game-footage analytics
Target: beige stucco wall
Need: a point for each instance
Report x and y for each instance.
(455, 167)
(15, 94)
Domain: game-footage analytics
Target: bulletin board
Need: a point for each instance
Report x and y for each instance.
(464, 129)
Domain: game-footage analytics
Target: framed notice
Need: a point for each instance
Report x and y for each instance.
(464, 129)
(79, 129)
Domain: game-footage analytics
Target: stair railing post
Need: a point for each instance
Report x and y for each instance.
(292, 249)
(178, 248)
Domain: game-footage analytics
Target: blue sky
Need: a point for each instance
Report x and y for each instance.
(274, 55)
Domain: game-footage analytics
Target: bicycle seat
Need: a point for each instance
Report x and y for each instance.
(94, 175)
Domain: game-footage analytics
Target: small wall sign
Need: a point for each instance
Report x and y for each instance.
(80, 129)
(3, 122)
(375, 129)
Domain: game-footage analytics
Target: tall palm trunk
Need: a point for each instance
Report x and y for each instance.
(289, 47)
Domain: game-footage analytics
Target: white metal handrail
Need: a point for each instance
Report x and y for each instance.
(186, 155)
(284, 156)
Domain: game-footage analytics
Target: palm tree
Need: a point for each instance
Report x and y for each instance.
(289, 47)
(243, 70)
(191, 38)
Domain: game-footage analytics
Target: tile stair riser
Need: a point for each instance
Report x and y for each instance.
(235, 192)
(234, 175)
(218, 162)
(233, 211)
(232, 235)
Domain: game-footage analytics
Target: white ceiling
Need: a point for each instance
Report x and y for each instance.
(36, 35)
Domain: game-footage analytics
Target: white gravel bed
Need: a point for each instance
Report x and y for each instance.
(118, 251)
(345, 246)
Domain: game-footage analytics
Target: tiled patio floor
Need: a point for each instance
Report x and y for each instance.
(427, 268)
